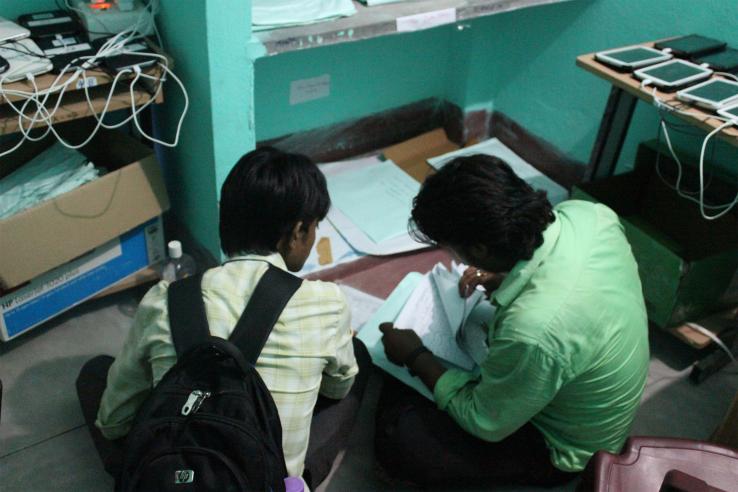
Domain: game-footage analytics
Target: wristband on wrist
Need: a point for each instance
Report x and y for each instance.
(412, 356)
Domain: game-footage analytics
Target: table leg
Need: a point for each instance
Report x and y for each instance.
(611, 135)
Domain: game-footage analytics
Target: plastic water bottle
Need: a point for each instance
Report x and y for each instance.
(180, 265)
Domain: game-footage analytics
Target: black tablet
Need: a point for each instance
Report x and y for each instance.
(691, 46)
(722, 61)
(51, 23)
(122, 61)
(64, 50)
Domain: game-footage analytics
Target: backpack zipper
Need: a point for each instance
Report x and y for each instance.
(194, 401)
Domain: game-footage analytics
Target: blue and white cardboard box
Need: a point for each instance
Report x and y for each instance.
(64, 287)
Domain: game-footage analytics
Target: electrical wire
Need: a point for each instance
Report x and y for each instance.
(723, 208)
(39, 107)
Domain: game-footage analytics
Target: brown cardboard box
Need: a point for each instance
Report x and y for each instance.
(411, 155)
(56, 231)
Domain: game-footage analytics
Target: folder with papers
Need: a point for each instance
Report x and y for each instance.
(453, 328)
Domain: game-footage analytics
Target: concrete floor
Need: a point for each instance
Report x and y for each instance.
(45, 446)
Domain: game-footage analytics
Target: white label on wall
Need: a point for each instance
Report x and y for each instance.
(304, 90)
(426, 20)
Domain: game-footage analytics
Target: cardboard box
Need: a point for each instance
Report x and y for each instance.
(687, 264)
(64, 287)
(56, 231)
(411, 155)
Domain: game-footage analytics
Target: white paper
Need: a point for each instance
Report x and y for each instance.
(350, 231)
(304, 90)
(426, 20)
(377, 198)
(439, 315)
(372, 337)
(341, 251)
(362, 306)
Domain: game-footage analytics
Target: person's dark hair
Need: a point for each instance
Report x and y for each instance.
(478, 199)
(266, 193)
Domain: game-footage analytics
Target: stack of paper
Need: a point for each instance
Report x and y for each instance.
(453, 328)
(556, 193)
(439, 315)
(272, 14)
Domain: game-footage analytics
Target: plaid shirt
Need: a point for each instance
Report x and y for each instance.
(308, 352)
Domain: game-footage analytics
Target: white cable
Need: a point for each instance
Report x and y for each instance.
(181, 118)
(728, 75)
(712, 337)
(116, 45)
(725, 208)
(728, 207)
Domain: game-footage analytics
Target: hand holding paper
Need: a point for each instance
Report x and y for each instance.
(398, 343)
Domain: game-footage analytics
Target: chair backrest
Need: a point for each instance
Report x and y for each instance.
(646, 461)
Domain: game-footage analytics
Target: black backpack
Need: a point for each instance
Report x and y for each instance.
(211, 423)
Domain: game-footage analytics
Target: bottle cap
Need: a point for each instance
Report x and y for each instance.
(175, 249)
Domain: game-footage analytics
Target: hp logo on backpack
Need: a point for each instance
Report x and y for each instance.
(184, 476)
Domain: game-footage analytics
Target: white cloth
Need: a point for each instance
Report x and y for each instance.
(270, 14)
(55, 171)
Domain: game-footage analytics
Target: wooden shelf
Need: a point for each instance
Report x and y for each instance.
(626, 81)
(74, 102)
(380, 20)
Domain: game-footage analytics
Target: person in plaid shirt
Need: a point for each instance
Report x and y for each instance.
(271, 203)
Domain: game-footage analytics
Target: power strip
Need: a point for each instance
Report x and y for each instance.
(106, 18)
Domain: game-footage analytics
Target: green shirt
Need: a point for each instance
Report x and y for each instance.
(568, 343)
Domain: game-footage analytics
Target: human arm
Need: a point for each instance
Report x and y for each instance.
(339, 372)
(130, 378)
(403, 348)
(516, 381)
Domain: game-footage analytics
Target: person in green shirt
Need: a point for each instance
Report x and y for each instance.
(568, 344)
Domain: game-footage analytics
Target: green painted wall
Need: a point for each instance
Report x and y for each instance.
(11, 9)
(521, 63)
(190, 167)
(209, 50)
(366, 77)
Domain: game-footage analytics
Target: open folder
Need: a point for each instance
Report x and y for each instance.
(453, 328)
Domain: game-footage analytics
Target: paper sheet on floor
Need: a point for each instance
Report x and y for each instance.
(330, 249)
(376, 198)
(352, 229)
(362, 306)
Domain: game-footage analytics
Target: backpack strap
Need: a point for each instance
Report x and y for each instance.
(187, 320)
(274, 290)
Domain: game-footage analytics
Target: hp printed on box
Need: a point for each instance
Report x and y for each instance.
(64, 287)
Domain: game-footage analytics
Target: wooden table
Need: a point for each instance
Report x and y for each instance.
(626, 91)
